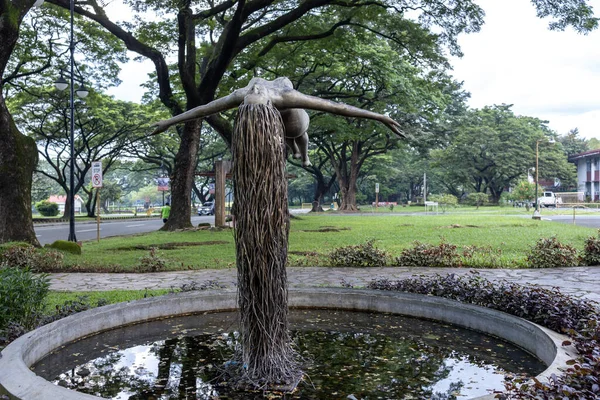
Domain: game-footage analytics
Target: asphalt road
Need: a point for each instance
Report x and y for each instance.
(87, 230)
(590, 221)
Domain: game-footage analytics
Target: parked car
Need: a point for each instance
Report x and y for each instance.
(549, 199)
(207, 208)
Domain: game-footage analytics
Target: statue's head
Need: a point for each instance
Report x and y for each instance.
(258, 94)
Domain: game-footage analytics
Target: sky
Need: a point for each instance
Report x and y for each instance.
(514, 59)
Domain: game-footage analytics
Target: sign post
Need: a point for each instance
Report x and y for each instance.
(376, 195)
(97, 183)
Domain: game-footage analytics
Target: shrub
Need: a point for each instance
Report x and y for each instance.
(362, 255)
(550, 253)
(47, 208)
(445, 201)
(65, 245)
(591, 251)
(27, 256)
(18, 256)
(70, 307)
(483, 257)
(151, 263)
(477, 199)
(22, 296)
(429, 255)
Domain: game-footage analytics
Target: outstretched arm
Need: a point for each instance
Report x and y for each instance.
(224, 103)
(294, 99)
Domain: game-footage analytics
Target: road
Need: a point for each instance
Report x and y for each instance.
(84, 231)
(87, 230)
(590, 221)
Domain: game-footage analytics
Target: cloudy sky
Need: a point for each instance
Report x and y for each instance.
(514, 59)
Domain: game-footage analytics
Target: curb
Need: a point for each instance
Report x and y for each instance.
(18, 381)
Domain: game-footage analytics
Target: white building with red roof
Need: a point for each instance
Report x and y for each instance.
(61, 199)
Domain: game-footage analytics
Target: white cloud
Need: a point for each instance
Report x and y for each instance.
(516, 60)
(134, 73)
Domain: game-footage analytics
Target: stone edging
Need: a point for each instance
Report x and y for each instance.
(17, 380)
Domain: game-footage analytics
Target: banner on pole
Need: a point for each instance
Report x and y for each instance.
(96, 174)
(163, 184)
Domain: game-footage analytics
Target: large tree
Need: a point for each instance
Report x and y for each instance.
(494, 148)
(18, 155)
(28, 47)
(218, 46)
(572, 143)
(104, 128)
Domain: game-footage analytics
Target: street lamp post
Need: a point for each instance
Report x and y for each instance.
(536, 213)
(61, 84)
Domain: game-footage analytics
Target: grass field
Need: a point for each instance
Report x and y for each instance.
(322, 233)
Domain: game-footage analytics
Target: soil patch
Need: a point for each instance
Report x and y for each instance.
(304, 253)
(459, 226)
(171, 246)
(327, 229)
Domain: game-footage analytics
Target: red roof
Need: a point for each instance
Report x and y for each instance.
(61, 199)
(585, 154)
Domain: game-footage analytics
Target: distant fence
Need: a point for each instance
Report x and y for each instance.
(570, 197)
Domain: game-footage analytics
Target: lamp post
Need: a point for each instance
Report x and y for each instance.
(536, 213)
(61, 84)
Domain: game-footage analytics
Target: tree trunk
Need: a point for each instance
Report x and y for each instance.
(321, 188)
(183, 180)
(348, 198)
(261, 239)
(18, 158)
(348, 183)
(18, 153)
(66, 213)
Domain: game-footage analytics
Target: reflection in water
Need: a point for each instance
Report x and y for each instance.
(346, 354)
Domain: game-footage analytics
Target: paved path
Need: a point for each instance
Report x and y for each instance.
(583, 282)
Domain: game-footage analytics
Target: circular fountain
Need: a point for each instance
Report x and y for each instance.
(18, 381)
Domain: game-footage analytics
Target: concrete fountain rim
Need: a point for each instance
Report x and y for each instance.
(19, 382)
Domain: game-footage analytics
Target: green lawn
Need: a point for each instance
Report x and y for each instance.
(321, 233)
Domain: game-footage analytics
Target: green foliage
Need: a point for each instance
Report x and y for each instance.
(151, 262)
(490, 150)
(27, 256)
(429, 255)
(477, 199)
(591, 251)
(72, 306)
(47, 208)
(573, 144)
(362, 255)
(484, 257)
(550, 253)
(22, 296)
(64, 245)
(445, 201)
(523, 191)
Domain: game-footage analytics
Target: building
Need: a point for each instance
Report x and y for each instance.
(60, 201)
(588, 173)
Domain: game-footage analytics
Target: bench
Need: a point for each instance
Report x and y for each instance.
(433, 205)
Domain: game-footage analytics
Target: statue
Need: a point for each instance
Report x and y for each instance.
(269, 113)
(290, 103)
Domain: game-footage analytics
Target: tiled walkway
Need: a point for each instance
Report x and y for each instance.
(582, 282)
